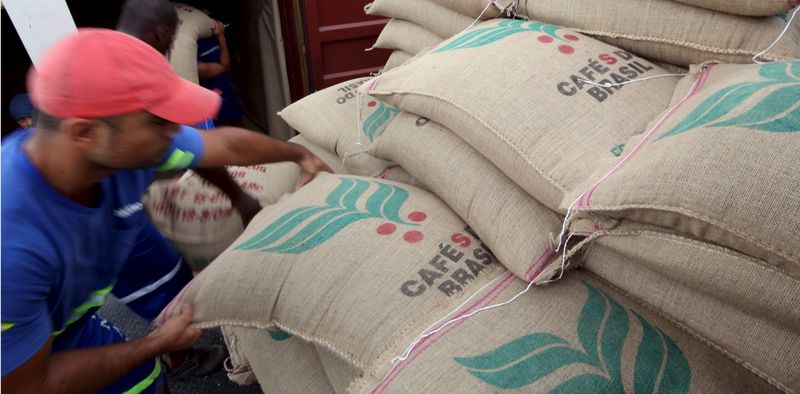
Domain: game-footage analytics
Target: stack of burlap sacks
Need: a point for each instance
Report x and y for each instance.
(657, 221)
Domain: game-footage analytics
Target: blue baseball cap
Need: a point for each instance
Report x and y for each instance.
(20, 106)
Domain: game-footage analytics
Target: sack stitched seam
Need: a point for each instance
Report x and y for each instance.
(711, 248)
(686, 44)
(310, 338)
(784, 254)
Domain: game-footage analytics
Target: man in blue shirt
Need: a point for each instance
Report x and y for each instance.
(109, 107)
(21, 110)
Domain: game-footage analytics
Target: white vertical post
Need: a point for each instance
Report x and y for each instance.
(40, 24)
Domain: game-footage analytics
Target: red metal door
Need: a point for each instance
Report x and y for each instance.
(338, 33)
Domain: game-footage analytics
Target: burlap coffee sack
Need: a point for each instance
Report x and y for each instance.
(719, 166)
(577, 336)
(516, 227)
(746, 7)
(406, 36)
(193, 24)
(340, 373)
(330, 119)
(347, 263)
(474, 8)
(236, 365)
(281, 362)
(396, 59)
(199, 219)
(670, 31)
(483, 8)
(435, 18)
(743, 307)
(525, 105)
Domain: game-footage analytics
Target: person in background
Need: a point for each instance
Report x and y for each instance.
(110, 109)
(21, 110)
(213, 66)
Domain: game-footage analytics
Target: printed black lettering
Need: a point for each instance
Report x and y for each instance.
(483, 256)
(474, 267)
(643, 67)
(412, 288)
(598, 94)
(449, 287)
(462, 277)
(628, 72)
(587, 72)
(565, 89)
(596, 66)
(429, 276)
(623, 55)
(451, 253)
(617, 78)
(439, 263)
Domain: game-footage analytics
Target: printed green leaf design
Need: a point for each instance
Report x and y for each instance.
(318, 224)
(487, 35)
(279, 335)
(772, 114)
(776, 103)
(376, 121)
(603, 328)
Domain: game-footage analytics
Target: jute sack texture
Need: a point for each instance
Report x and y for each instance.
(746, 7)
(193, 24)
(329, 118)
(576, 336)
(672, 32)
(406, 36)
(281, 362)
(199, 219)
(236, 365)
(542, 124)
(720, 166)
(442, 21)
(347, 263)
(515, 226)
(340, 373)
(474, 8)
(740, 7)
(743, 307)
(396, 59)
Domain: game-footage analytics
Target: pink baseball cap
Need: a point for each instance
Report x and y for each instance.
(99, 73)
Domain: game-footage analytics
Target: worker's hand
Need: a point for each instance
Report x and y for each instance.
(177, 333)
(218, 28)
(247, 206)
(311, 165)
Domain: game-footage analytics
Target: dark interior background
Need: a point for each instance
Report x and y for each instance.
(14, 62)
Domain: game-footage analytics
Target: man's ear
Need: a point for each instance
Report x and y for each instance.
(84, 133)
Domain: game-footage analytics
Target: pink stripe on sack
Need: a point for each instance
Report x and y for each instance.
(374, 84)
(388, 171)
(695, 88)
(494, 293)
(540, 265)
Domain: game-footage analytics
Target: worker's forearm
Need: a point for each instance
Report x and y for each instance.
(224, 56)
(90, 370)
(249, 148)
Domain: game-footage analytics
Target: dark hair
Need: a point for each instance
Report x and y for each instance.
(45, 121)
(152, 21)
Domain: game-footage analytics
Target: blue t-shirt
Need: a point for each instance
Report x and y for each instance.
(59, 258)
